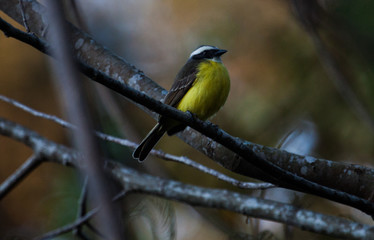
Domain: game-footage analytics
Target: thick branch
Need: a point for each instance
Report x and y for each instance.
(240, 203)
(43, 147)
(251, 154)
(132, 180)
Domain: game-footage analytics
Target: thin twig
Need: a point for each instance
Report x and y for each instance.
(82, 210)
(83, 199)
(160, 154)
(13, 180)
(36, 113)
(82, 206)
(78, 223)
(69, 227)
(186, 161)
(25, 24)
(78, 15)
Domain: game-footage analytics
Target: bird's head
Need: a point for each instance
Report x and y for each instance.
(207, 52)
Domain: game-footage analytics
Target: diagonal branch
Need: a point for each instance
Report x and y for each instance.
(134, 181)
(240, 203)
(69, 227)
(82, 207)
(13, 180)
(78, 223)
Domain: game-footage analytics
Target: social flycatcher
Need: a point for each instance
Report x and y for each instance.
(201, 87)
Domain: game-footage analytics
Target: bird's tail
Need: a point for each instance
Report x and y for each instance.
(142, 151)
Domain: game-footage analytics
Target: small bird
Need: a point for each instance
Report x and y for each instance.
(201, 87)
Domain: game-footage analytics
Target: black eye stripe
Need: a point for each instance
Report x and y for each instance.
(206, 54)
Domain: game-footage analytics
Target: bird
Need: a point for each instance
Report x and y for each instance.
(201, 88)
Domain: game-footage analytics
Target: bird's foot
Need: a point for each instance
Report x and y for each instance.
(215, 126)
(192, 115)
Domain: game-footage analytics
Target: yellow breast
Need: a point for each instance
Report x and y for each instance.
(209, 91)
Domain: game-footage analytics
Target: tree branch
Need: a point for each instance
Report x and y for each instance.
(240, 203)
(133, 181)
(82, 206)
(127, 143)
(251, 154)
(78, 223)
(13, 180)
(69, 227)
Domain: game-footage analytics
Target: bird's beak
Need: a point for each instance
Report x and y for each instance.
(220, 52)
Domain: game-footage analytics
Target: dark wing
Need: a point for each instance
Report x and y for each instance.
(182, 83)
(179, 88)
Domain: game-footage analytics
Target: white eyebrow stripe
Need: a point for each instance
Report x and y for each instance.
(201, 49)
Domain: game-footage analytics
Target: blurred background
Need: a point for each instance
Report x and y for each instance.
(280, 89)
